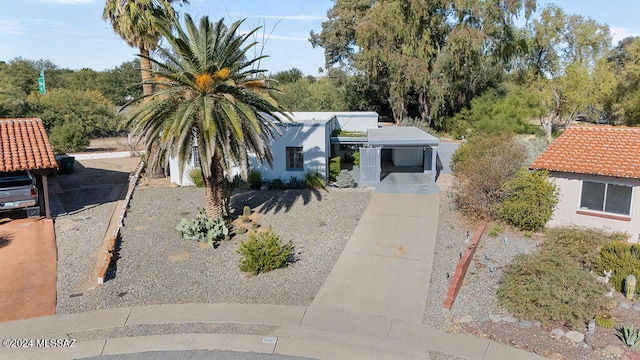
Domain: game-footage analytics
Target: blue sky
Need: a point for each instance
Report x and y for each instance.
(72, 34)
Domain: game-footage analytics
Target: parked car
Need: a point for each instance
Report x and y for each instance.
(17, 190)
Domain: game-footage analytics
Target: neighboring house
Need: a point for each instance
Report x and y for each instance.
(25, 146)
(597, 170)
(307, 144)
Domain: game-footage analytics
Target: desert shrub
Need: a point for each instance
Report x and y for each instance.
(203, 228)
(495, 231)
(263, 252)
(255, 179)
(547, 288)
(277, 184)
(623, 259)
(481, 167)
(529, 200)
(580, 246)
(196, 177)
(228, 187)
(69, 137)
(296, 183)
(345, 179)
(314, 180)
(356, 158)
(629, 335)
(334, 168)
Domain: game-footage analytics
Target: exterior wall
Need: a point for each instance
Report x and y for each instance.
(174, 172)
(360, 121)
(570, 186)
(314, 140)
(409, 156)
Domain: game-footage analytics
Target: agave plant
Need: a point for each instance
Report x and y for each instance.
(629, 335)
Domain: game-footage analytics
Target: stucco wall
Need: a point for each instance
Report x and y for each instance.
(174, 173)
(570, 186)
(357, 121)
(314, 141)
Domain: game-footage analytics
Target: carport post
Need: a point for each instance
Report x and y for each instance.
(45, 188)
(434, 156)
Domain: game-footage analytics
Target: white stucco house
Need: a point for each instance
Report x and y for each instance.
(306, 144)
(597, 171)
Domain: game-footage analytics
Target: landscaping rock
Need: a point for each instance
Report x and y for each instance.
(555, 356)
(613, 350)
(483, 319)
(465, 319)
(557, 332)
(495, 318)
(525, 323)
(575, 336)
(508, 319)
(636, 307)
(623, 305)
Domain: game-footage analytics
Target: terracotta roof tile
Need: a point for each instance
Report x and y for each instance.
(594, 150)
(25, 145)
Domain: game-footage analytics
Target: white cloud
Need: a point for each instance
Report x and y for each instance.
(13, 27)
(618, 33)
(259, 35)
(283, 17)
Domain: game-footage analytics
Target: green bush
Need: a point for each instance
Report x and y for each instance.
(481, 166)
(196, 177)
(580, 246)
(68, 137)
(255, 179)
(356, 158)
(555, 285)
(549, 289)
(296, 183)
(334, 168)
(529, 200)
(263, 252)
(623, 259)
(605, 320)
(228, 187)
(345, 180)
(277, 184)
(314, 180)
(203, 228)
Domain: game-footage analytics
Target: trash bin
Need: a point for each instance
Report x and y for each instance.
(66, 164)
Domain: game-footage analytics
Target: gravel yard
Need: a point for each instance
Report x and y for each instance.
(155, 266)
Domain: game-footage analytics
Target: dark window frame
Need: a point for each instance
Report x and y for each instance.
(601, 202)
(294, 158)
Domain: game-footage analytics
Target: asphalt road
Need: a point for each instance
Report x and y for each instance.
(197, 355)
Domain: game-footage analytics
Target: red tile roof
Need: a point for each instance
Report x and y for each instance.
(594, 150)
(25, 145)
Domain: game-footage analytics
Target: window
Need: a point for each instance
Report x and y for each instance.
(195, 156)
(608, 198)
(295, 158)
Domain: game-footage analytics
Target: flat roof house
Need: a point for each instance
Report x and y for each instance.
(597, 170)
(307, 144)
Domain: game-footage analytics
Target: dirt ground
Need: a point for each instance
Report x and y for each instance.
(28, 267)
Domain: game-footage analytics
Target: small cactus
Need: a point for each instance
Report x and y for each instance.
(630, 286)
(246, 212)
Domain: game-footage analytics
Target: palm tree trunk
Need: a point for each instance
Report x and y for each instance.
(145, 70)
(213, 189)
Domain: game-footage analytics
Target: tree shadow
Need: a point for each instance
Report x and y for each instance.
(86, 188)
(272, 200)
(5, 239)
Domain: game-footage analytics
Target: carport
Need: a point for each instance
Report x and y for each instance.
(405, 147)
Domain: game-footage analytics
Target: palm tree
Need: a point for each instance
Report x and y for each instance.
(135, 21)
(209, 94)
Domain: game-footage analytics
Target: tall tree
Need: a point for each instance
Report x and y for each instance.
(209, 94)
(136, 22)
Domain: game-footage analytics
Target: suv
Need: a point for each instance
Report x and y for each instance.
(17, 190)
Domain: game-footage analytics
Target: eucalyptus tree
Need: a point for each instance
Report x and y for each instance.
(209, 94)
(135, 21)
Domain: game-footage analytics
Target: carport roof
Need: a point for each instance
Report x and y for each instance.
(25, 145)
(400, 136)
